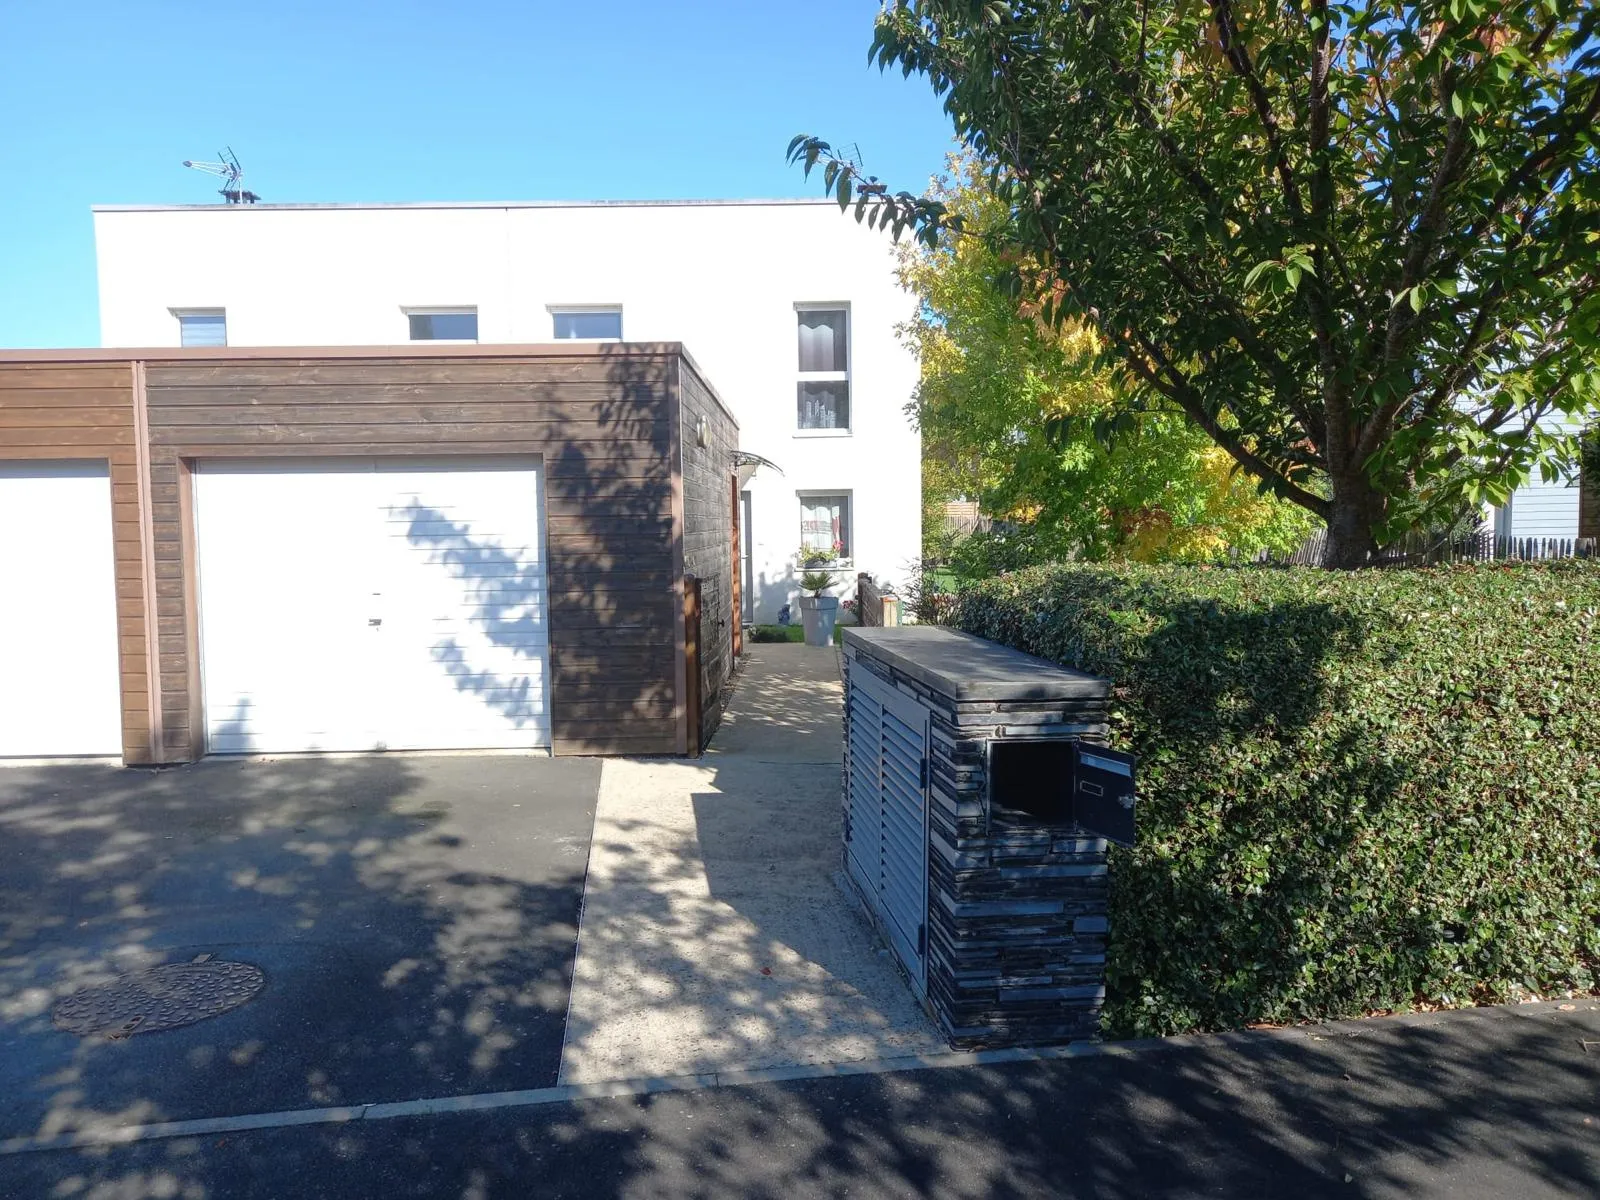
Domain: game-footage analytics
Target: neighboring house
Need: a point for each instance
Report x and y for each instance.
(214, 550)
(1548, 510)
(789, 306)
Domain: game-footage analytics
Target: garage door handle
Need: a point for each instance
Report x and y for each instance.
(374, 620)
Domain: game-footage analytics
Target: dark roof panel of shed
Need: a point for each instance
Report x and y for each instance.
(965, 667)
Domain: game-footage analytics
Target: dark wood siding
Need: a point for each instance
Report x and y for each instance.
(87, 410)
(708, 489)
(602, 419)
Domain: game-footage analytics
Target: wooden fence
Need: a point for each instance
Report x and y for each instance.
(873, 605)
(1420, 549)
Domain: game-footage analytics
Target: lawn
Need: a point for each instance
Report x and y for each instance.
(787, 633)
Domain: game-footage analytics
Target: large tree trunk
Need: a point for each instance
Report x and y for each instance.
(1354, 510)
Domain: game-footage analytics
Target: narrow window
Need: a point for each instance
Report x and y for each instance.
(825, 524)
(203, 327)
(824, 382)
(443, 325)
(587, 324)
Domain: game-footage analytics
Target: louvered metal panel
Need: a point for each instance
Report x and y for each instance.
(866, 715)
(888, 812)
(903, 860)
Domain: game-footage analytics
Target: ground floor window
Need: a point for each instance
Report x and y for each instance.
(825, 523)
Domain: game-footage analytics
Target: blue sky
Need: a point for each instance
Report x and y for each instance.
(474, 100)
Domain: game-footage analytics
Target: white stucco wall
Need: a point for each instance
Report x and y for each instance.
(722, 278)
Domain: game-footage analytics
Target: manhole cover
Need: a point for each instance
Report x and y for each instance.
(166, 997)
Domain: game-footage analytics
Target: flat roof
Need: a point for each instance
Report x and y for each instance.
(308, 207)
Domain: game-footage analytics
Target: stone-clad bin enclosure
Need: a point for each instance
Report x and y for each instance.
(1011, 945)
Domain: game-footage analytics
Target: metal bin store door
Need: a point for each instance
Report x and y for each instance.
(888, 809)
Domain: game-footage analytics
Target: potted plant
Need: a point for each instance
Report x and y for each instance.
(818, 610)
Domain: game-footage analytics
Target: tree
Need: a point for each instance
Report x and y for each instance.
(1007, 406)
(1355, 242)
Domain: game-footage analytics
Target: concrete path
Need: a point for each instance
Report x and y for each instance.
(714, 936)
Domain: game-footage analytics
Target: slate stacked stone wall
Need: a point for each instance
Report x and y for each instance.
(1017, 910)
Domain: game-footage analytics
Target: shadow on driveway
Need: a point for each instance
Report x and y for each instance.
(1469, 1106)
(415, 918)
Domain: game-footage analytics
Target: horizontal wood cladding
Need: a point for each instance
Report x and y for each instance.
(601, 423)
(708, 547)
(604, 374)
(88, 411)
(101, 384)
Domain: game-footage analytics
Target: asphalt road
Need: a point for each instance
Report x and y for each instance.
(1486, 1103)
(415, 918)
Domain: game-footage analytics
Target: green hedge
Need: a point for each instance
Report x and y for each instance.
(1358, 791)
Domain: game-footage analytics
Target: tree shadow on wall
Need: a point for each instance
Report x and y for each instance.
(507, 595)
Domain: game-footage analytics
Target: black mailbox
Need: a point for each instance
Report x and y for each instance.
(1102, 792)
(1062, 781)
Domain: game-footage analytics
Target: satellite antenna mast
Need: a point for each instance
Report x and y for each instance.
(230, 172)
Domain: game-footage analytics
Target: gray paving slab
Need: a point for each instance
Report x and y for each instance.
(715, 936)
(415, 917)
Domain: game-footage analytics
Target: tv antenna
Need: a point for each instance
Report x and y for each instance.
(230, 172)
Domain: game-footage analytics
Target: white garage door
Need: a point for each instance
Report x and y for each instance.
(376, 604)
(59, 687)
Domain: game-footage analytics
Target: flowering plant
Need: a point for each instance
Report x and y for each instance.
(816, 556)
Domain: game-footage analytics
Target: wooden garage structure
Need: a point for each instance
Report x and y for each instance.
(349, 549)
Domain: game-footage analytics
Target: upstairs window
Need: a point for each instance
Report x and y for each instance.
(587, 324)
(202, 327)
(824, 382)
(443, 324)
(825, 523)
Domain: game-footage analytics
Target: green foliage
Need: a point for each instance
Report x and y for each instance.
(1008, 407)
(816, 582)
(1355, 241)
(1356, 791)
(775, 634)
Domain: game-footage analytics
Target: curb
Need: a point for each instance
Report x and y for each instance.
(118, 1135)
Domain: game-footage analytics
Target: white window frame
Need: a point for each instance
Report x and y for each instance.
(408, 311)
(178, 314)
(845, 376)
(554, 309)
(802, 495)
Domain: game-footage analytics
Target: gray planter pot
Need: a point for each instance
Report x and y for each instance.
(818, 614)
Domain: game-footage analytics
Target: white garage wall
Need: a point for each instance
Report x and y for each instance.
(59, 686)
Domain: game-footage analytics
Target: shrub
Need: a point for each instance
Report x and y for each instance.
(1357, 791)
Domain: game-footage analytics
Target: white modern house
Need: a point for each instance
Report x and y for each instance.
(788, 306)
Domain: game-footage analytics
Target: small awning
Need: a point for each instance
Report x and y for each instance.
(746, 464)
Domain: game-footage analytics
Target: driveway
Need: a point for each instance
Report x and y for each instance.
(715, 936)
(414, 919)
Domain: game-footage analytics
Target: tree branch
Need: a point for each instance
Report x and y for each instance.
(1239, 59)
(1170, 382)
